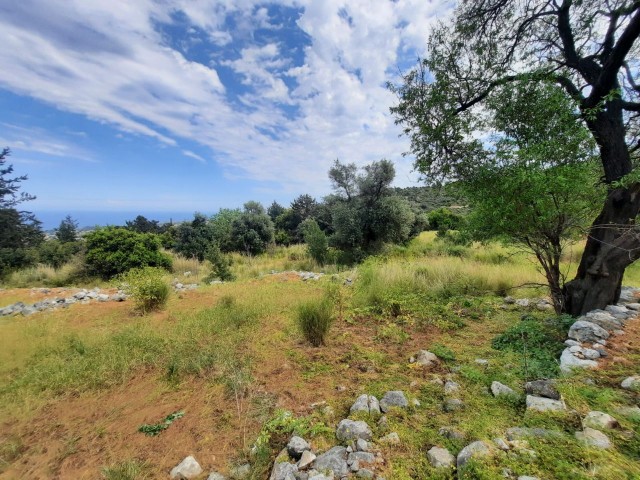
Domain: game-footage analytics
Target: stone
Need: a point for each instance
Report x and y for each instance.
(523, 302)
(306, 459)
(349, 430)
(362, 445)
(584, 331)
(631, 383)
(633, 306)
(453, 404)
(283, 471)
(296, 447)
(364, 473)
(366, 403)
(521, 433)
(629, 294)
(391, 439)
(451, 387)
(599, 420)
(591, 354)
(568, 362)
(501, 444)
(440, 457)
(394, 398)
(603, 319)
(542, 388)
(361, 457)
(335, 460)
(527, 477)
(26, 311)
(498, 389)
(543, 404)
(118, 297)
(427, 359)
(473, 450)
(216, 476)
(482, 362)
(186, 469)
(633, 412)
(240, 472)
(616, 309)
(451, 433)
(593, 438)
(572, 343)
(319, 476)
(509, 300)
(576, 349)
(102, 297)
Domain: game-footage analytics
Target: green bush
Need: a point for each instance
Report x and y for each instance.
(147, 287)
(314, 320)
(220, 265)
(443, 219)
(115, 250)
(56, 253)
(316, 240)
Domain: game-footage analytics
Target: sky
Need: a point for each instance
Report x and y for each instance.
(167, 107)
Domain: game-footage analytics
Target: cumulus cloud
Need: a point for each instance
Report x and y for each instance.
(299, 93)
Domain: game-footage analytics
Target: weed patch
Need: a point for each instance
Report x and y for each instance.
(154, 429)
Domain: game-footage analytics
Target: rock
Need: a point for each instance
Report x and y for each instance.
(440, 457)
(361, 457)
(521, 433)
(28, 311)
(568, 362)
(603, 319)
(216, 476)
(451, 433)
(593, 438)
(453, 404)
(366, 403)
(584, 331)
(542, 388)
(306, 459)
(482, 362)
(283, 471)
(319, 476)
(362, 445)
(543, 404)
(240, 472)
(498, 389)
(599, 420)
(590, 354)
(427, 359)
(473, 450)
(335, 460)
(523, 302)
(633, 412)
(80, 296)
(118, 297)
(391, 439)
(451, 387)
(394, 398)
(186, 469)
(352, 430)
(501, 444)
(615, 309)
(364, 473)
(296, 447)
(102, 297)
(633, 306)
(628, 294)
(527, 477)
(631, 383)
(576, 349)
(509, 300)
(572, 343)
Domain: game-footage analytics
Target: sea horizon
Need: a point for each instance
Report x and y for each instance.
(86, 219)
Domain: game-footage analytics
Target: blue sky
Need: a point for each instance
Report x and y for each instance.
(171, 106)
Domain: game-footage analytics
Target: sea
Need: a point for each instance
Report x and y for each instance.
(90, 219)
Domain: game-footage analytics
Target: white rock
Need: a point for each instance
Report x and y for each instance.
(568, 362)
(572, 343)
(440, 457)
(186, 469)
(584, 331)
(451, 387)
(473, 450)
(306, 459)
(427, 359)
(542, 404)
(593, 438)
(575, 349)
(499, 389)
(631, 383)
(352, 430)
(599, 420)
(590, 354)
(391, 439)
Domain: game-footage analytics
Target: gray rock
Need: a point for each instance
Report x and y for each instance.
(523, 302)
(631, 383)
(118, 297)
(349, 430)
(362, 445)
(501, 444)
(542, 388)
(296, 446)
(451, 387)
(543, 404)
(440, 457)
(216, 476)
(319, 476)
(522, 433)
(361, 457)
(616, 309)
(633, 306)
(576, 349)
(80, 296)
(584, 331)
(394, 398)
(633, 412)
(603, 319)
(240, 472)
(186, 469)
(568, 362)
(283, 471)
(572, 343)
(391, 439)
(599, 420)
(453, 404)
(509, 300)
(473, 450)
(335, 460)
(498, 389)
(527, 477)
(593, 438)
(28, 311)
(364, 473)
(451, 433)
(366, 403)
(306, 459)
(482, 362)
(427, 359)
(629, 294)
(590, 354)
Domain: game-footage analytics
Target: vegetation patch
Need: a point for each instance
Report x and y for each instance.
(157, 428)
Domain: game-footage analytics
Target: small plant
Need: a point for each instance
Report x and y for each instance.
(220, 265)
(316, 240)
(127, 470)
(147, 287)
(157, 428)
(443, 353)
(314, 319)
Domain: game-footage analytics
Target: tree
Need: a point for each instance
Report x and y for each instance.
(194, 239)
(20, 231)
(275, 210)
(589, 49)
(253, 230)
(143, 225)
(67, 231)
(316, 240)
(222, 223)
(115, 250)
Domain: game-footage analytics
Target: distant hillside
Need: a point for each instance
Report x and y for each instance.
(430, 198)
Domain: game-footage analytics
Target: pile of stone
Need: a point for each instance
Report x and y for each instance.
(183, 287)
(589, 334)
(541, 304)
(302, 274)
(83, 296)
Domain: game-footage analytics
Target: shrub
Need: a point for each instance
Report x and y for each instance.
(147, 286)
(220, 265)
(115, 250)
(443, 219)
(316, 240)
(314, 319)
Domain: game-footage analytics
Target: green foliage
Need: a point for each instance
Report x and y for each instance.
(147, 286)
(539, 343)
(67, 231)
(155, 429)
(253, 230)
(55, 253)
(114, 250)
(314, 319)
(127, 470)
(316, 240)
(443, 220)
(443, 352)
(192, 240)
(143, 225)
(220, 265)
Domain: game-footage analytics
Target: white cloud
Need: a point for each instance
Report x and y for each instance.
(110, 63)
